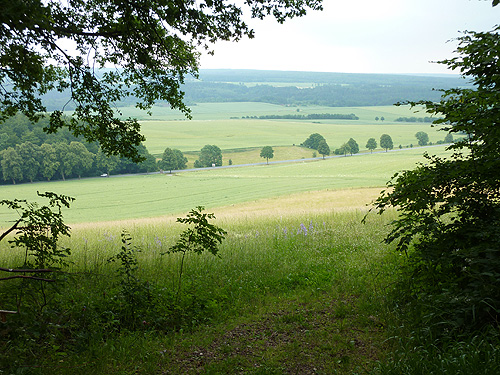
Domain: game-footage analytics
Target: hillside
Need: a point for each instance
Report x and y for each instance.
(300, 88)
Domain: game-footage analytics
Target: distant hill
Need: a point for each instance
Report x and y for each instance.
(301, 88)
(248, 76)
(315, 88)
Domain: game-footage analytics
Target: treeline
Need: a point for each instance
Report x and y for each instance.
(312, 116)
(332, 95)
(326, 89)
(416, 119)
(29, 154)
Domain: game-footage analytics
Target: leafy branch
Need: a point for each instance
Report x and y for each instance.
(198, 238)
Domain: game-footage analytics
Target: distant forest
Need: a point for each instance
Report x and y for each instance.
(301, 88)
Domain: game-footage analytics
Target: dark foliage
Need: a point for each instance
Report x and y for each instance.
(313, 141)
(450, 208)
(151, 45)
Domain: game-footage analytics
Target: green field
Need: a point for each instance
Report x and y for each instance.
(133, 197)
(301, 285)
(129, 197)
(215, 123)
(226, 133)
(231, 134)
(224, 111)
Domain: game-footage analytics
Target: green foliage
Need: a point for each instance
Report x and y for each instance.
(154, 45)
(12, 165)
(313, 141)
(353, 146)
(343, 150)
(39, 229)
(450, 208)
(423, 138)
(134, 301)
(386, 142)
(202, 236)
(267, 152)
(210, 155)
(323, 148)
(473, 356)
(334, 90)
(35, 156)
(371, 144)
(448, 138)
(172, 159)
(416, 119)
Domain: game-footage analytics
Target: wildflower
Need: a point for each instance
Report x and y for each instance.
(302, 229)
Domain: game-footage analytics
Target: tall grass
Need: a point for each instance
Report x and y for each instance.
(287, 266)
(295, 290)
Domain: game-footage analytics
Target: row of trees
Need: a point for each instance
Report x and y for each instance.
(311, 116)
(317, 142)
(19, 129)
(423, 138)
(30, 162)
(416, 119)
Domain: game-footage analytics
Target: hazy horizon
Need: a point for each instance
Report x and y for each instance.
(386, 37)
(445, 74)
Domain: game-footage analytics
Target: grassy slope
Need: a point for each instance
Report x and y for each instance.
(212, 124)
(104, 199)
(279, 300)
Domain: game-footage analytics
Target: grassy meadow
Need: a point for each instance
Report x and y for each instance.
(209, 126)
(292, 291)
(225, 111)
(140, 196)
(299, 286)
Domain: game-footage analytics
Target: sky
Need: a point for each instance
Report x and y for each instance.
(359, 36)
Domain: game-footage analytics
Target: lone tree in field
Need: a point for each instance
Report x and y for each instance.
(313, 141)
(150, 45)
(323, 148)
(210, 156)
(449, 209)
(386, 142)
(423, 138)
(267, 152)
(371, 144)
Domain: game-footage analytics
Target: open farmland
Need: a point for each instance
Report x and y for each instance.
(138, 196)
(224, 111)
(212, 124)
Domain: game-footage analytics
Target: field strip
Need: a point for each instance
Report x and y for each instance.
(297, 204)
(134, 197)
